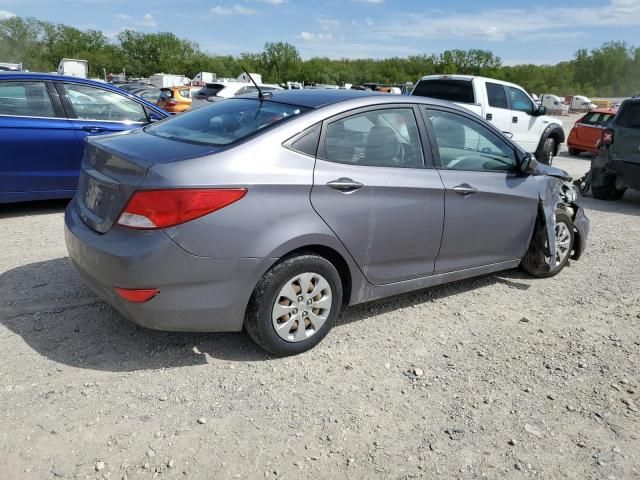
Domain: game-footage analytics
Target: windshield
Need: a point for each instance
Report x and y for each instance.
(210, 90)
(224, 122)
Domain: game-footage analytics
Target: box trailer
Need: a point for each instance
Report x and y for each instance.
(166, 80)
(202, 78)
(73, 67)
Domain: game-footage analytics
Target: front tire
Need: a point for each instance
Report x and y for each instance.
(535, 263)
(548, 151)
(294, 305)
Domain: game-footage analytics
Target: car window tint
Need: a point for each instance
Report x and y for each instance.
(91, 103)
(307, 142)
(497, 96)
(464, 144)
(446, 89)
(222, 123)
(520, 101)
(25, 99)
(629, 115)
(606, 118)
(380, 138)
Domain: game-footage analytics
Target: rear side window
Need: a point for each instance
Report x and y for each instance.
(307, 141)
(225, 122)
(379, 138)
(497, 96)
(91, 103)
(446, 89)
(629, 115)
(25, 99)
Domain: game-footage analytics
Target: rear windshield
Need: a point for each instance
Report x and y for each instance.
(446, 89)
(210, 90)
(629, 115)
(225, 122)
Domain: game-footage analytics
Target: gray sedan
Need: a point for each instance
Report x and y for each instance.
(274, 212)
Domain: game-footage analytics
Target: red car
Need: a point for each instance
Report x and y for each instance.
(585, 134)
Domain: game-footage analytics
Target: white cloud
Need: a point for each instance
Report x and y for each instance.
(6, 14)
(235, 10)
(315, 37)
(511, 24)
(147, 20)
(328, 23)
(274, 2)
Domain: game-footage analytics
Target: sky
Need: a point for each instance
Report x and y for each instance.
(541, 32)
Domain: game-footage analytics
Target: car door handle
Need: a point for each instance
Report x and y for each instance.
(489, 116)
(345, 185)
(465, 190)
(93, 129)
(515, 119)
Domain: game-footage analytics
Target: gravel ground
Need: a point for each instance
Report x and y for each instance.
(502, 376)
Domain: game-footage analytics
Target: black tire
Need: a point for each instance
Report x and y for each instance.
(534, 262)
(258, 319)
(606, 189)
(548, 151)
(574, 152)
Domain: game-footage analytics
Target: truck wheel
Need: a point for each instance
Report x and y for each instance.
(606, 189)
(294, 305)
(548, 150)
(535, 262)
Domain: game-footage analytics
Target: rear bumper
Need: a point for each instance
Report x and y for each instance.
(199, 294)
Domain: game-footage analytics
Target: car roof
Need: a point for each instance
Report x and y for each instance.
(316, 98)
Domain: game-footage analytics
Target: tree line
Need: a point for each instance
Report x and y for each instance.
(610, 70)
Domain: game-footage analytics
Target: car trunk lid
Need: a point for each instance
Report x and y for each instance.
(114, 167)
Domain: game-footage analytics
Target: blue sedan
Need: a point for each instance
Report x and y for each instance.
(44, 119)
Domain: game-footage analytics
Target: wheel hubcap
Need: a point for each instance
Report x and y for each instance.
(302, 307)
(563, 242)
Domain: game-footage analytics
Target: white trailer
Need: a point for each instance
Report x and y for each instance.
(245, 78)
(11, 67)
(73, 67)
(165, 80)
(202, 78)
(580, 103)
(554, 104)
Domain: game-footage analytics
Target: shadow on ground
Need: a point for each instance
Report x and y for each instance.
(10, 210)
(58, 317)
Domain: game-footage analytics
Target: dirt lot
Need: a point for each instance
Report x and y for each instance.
(520, 377)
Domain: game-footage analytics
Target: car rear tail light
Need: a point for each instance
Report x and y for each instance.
(152, 209)
(137, 295)
(607, 137)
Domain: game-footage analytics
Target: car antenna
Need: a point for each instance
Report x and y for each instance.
(261, 95)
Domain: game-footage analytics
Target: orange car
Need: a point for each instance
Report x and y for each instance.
(585, 134)
(175, 99)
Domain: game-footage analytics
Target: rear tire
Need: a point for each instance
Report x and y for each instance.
(535, 262)
(574, 152)
(607, 189)
(283, 316)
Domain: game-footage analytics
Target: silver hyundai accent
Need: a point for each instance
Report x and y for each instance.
(273, 212)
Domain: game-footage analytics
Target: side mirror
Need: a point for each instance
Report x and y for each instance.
(540, 111)
(528, 164)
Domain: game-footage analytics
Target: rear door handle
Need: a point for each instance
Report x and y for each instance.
(489, 116)
(93, 129)
(465, 190)
(345, 185)
(515, 119)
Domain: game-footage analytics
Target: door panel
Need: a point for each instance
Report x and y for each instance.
(525, 127)
(490, 226)
(490, 210)
(38, 149)
(375, 194)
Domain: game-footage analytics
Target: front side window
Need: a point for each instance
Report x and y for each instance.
(497, 96)
(222, 123)
(520, 101)
(379, 138)
(91, 103)
(464, 144)
(25, 99)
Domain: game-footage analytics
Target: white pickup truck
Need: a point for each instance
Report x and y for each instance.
(508, 106)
